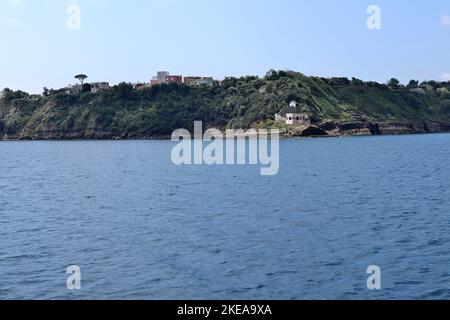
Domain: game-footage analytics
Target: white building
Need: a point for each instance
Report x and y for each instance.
(140, 86)
(205, 81)
(293, 115)
(198, 81)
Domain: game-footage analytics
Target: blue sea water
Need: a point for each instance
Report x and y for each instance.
(141, 228)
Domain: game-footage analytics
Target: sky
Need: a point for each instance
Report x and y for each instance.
(45, 44)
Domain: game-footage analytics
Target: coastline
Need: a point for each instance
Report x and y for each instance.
(331, 107)
(343, 130)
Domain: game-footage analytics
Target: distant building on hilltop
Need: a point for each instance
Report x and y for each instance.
(140, 86)
(198, 81)
(154, 82)
(164, 77)
(99, 86)
(160, 78)
(74, 89)
(294, 115)
(174, 79)
(191, 81)
(205, 81)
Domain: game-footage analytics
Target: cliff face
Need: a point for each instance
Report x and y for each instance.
(337, 106)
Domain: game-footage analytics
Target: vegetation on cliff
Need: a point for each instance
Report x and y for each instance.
(122, 112)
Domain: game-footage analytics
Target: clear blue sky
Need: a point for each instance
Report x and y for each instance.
(130, 40)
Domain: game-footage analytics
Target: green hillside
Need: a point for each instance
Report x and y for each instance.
(338, 105)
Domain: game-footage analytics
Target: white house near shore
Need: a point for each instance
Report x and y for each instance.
(293, 115)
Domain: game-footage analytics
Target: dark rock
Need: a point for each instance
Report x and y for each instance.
(374, 129)
(313, 132)
(402, 127)
(328, 126)
(352, 126)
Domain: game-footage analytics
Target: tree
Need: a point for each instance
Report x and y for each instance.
(444, 92)
(124, 89)
(45, 92)
(393, 83)
(413, 84)
(86, 87)
(357, 82)
(8, 94)
(81, 78)
(5, 94)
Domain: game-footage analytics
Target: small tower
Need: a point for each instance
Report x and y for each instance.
(294, 115)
